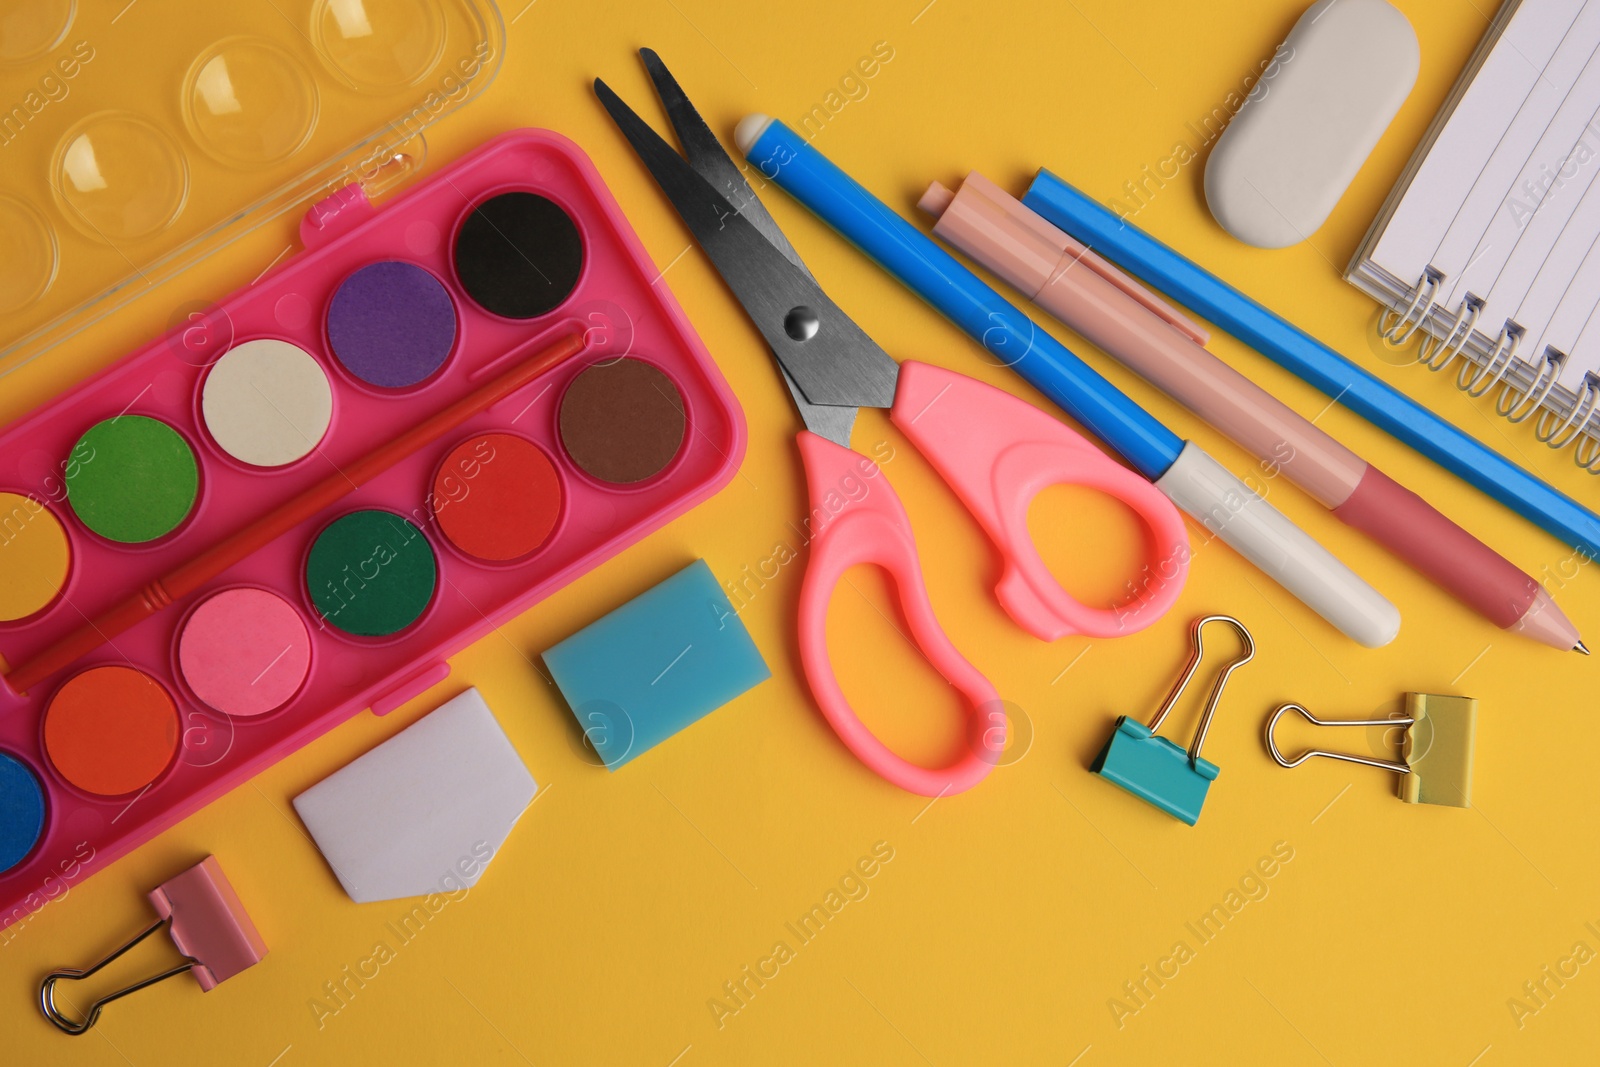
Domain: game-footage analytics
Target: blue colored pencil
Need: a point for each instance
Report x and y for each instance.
(1292, 348)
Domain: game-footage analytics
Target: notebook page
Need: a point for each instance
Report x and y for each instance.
(1538, 222)
(1567, 279)
(1543, 181)
(1513, 161)
(1474, 130)
(1543, 269)
(1573, 328)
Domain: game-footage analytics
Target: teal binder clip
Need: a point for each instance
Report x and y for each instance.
(1154, 769)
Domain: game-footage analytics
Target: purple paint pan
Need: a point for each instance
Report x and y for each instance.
(392, 324)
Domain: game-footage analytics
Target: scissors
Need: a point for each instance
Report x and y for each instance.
(996, 451)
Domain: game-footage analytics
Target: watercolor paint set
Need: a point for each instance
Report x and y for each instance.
(389, 316)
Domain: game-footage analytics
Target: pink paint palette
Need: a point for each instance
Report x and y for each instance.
(388, 316)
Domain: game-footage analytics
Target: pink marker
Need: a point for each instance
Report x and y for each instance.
(1131, 324)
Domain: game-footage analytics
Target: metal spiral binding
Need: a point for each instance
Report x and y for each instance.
(1397, 331)
(1576, 420)
(1521, 405)
(1492, 370)
(1587, 454)
(1454, 341)
(1515, 403)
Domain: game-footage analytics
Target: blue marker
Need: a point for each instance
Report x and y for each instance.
(1292, 348)
(928, 270)
(1198, 484)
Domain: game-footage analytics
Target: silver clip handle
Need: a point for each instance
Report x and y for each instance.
(1387, 765)
(1197, 652)
(47, 988)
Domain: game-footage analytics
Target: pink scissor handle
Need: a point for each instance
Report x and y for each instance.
(999, 452)
(858, 519)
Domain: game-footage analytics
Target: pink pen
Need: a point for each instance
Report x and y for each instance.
(1131, 324)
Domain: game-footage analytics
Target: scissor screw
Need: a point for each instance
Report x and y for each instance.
(801, 323)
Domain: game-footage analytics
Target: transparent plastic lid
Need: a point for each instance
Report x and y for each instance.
(135, 140)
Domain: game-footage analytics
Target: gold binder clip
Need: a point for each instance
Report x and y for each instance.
(1436, 755)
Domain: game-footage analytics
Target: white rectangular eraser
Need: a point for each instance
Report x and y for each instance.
(425, 811)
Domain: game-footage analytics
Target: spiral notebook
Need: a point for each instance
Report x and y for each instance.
(1488, 248)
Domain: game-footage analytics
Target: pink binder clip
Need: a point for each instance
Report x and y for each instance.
(208, 924)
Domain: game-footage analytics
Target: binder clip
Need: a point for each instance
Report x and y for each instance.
(208, 924)
(1156, 770)
(1435, 762)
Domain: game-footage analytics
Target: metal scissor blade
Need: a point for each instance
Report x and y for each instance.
(710, 160)
(825, 420)
(831, 358)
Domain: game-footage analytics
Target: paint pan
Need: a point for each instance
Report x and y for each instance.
(34, 557)
(497, 497)
(371, 573)
(132, 479)
(392, 324)
(21, 811)
(622, 422)
(244, 652)
(111, 730)
(267, 403)
(518, 255)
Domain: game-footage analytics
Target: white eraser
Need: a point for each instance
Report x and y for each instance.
(425, 811)
(1310, 121)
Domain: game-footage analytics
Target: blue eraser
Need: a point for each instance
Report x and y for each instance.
(662, 661)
